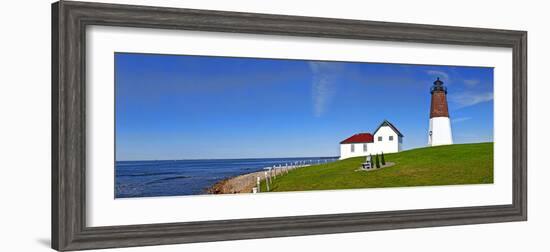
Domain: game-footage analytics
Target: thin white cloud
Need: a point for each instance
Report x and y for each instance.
(442, 75)
(461, 119)
(467, 99)
(471, 83)
(324, 74)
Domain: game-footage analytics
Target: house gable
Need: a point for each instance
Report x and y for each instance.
(387, 123)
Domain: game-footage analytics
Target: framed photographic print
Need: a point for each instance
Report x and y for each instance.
(178, 125)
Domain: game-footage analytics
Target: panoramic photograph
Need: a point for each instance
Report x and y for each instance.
(197, 125)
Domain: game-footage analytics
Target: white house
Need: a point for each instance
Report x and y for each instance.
(386, 139)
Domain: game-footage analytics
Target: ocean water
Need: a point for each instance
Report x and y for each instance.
(187, 177)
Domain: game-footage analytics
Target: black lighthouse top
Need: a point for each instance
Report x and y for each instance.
(438, 86)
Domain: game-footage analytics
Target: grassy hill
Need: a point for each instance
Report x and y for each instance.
(441, 165)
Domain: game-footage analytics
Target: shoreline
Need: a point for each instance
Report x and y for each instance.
(246, 182)
(237, 184)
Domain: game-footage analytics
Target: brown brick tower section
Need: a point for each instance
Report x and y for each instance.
(439, 100)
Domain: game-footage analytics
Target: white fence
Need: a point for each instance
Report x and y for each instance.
(272, 172)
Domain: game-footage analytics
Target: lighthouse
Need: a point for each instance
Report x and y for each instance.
(440, 124)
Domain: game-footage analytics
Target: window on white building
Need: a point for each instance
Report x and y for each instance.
(353, 148)
(379, 139)
(364, 147)
(391, 138)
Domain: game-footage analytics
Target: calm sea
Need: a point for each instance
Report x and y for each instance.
(187, 177)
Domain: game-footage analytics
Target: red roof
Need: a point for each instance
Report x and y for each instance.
(359, 138)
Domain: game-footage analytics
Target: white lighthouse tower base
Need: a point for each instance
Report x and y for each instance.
(440, 131)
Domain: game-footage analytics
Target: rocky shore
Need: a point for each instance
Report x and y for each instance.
(239, 184)
(244, 183)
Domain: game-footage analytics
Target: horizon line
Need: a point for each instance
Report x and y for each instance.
(191, 159)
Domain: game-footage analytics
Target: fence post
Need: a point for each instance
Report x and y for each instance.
(267, 181)
(258, 183)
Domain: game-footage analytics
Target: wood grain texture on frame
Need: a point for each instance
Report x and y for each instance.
(69, 21)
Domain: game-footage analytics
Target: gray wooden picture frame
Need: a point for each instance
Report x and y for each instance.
(69, 21)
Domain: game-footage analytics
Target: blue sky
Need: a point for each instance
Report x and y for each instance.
(192, 107)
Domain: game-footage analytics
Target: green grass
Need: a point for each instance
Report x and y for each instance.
(441, 165)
